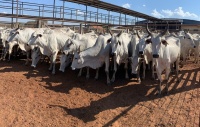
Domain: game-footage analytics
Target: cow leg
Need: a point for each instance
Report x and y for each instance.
(107, 70)
(177, 69)
(152, 70)
(159, 72)
(144, 69)
(167, 72)
(114, 71)
(138, 73)
(4, 54)
(27, 57)
(88, 73)
(97, 74)
(80, 72)
(54, 62)
(126, 70)
(184, 58)
(51, 63)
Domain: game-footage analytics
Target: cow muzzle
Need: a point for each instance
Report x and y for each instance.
(113, 54)
(141, 52)
(155, 56)
(134, 75)
(73, 68)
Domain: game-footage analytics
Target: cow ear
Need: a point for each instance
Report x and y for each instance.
(40, 35)
(109, 40)
(148, 41)
(164, 42)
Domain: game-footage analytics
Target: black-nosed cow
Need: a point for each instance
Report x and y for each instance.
(50, 43)
(165, 52)
(95, 56)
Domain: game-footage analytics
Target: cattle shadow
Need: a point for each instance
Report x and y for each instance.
(131, 94)
(123, 93)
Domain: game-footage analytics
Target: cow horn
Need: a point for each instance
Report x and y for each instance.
(110, 32)
(138, 34)
(119, 34)
(147, 29)
(166, 30)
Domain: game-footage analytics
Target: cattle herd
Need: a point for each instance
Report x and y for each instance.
(158, 51)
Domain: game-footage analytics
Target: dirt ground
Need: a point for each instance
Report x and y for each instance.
(35, 98)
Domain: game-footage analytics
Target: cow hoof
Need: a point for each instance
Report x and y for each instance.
(113, 80)
(87, 77)
(109, 83)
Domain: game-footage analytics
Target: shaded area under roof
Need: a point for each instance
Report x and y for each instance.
(114, 8)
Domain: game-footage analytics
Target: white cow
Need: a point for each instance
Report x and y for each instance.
(196, 50)
(123, 46)
(4, 34)
(145, 56)
(22, 37)
(37, 55)
(95, 56)
(187, 43)
(165, 53)
(50, 44)
(77, 44)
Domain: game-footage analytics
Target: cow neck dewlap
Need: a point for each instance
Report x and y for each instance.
(93, 51)
(23, 36)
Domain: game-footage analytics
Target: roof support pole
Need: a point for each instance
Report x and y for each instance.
(80, 28)
(108, 17)
(54, 2)
(63, 12)
(17, 13)
(97, 14)
(12, 14)
(125, 19)
(120, 18)
(86, 11)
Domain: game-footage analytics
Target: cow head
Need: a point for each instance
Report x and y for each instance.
(36, 56)
(134, 65)
(71, 47)
(156, 41)
(142, 45)
(116, 42)
(190, 39)
(65, 60)
(14, 35)
(36, 38)
(77, 61)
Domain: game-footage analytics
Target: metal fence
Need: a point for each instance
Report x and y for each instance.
(16, 7)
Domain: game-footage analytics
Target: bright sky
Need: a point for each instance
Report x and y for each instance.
(183, 9)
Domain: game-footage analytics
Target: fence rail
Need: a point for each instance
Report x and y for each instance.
(21, 9)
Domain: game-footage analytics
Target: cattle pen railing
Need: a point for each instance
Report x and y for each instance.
(26, 10)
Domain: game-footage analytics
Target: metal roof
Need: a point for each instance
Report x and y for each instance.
(114, 8)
